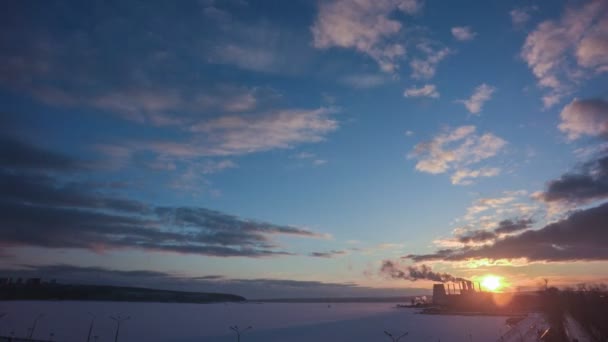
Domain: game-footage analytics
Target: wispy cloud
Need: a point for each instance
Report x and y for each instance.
(521, 16)
(257, 46)
(465, 176)
(328, 254)
(229, 135)
(313, 158)
(463, 33)
(481, 95)
(428, 90)
(425, 67)
(485, 212)
(365, 81)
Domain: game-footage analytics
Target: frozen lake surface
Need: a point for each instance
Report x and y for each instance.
(69, 321)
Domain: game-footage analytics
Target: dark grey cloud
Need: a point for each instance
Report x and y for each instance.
(45, 190)
(250, 288)
(581, 236)
(41, 206)
(15, 153)
(193, 217)
(328, 254)
(512, 226)
(58, 227)
(414, 273)
(114, 61)
(504, 227)
(477, 236)
(138, 66)
(587, 184)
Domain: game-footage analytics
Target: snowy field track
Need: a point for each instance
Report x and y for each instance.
(70, 321)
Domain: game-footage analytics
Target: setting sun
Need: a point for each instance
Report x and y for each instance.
(491, 283)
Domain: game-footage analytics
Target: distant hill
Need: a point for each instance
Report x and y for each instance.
(111, 293)
(405, 299)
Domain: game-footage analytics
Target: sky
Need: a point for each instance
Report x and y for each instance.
(304, 148)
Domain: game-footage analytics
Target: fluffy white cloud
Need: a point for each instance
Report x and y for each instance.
(428, 90)
(363, 25)
(457, 150)
(425, 68)
(592, 52)
(463, 33)
(481, 94)
(560, 52)
(465, 176)
(585, 117)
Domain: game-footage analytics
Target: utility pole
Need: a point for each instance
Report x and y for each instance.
(91, 327)
(239, 331)
(393, 338)
(119, 320)
(2, 315)
(33, 328)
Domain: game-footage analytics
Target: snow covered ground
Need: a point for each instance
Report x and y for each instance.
(69, 321)
(526, 330)
(575, 331)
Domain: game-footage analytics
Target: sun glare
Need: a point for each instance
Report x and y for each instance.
(491, 283)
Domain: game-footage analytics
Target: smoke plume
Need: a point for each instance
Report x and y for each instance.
(414, 273)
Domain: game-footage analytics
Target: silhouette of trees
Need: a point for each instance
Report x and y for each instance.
(588, 305)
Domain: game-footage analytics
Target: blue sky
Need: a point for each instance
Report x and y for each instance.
(305, 141)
